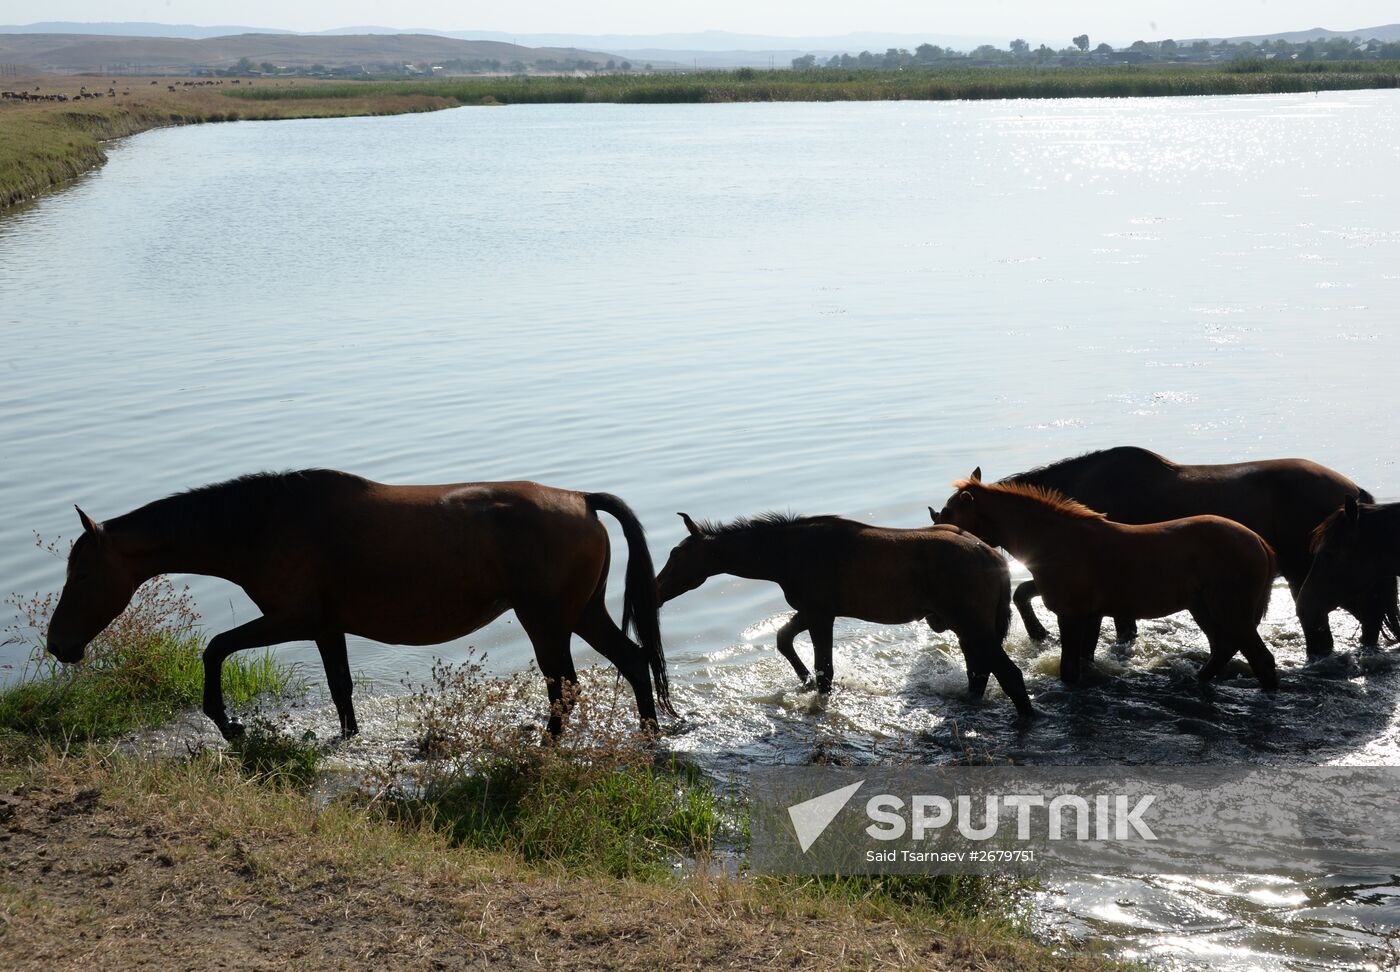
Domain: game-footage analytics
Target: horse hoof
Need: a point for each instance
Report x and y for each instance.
(232, 730)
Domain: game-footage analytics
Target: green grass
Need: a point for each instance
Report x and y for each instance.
(935, 84)
(267, 755)
(142, 671)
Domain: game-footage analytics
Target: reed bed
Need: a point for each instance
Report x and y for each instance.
(939, 84)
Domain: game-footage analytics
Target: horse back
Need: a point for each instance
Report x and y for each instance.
(429, 563)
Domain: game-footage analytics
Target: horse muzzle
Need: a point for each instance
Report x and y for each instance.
(67, 653)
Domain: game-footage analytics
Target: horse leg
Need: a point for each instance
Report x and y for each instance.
(1221, 649)
(1025, 592)
(1125, 628)
(258, 633)
(822, 635)
(1317, 639)
(1078, 639)
(795, 626)
(337, 664)
(992, 657)
(597, 628)
(1261, 660)
(551, 642)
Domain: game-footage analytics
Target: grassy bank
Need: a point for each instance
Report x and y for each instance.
(478, 846)
(44, 144)
(936, 84)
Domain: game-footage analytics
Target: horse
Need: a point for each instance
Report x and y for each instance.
(1282, 500)
(1357, 542)
(831, 567)
(324, 554)
(1087, 566)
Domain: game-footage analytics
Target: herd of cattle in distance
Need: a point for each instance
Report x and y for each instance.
(1121, 533)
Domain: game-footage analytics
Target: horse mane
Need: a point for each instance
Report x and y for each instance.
(1052, 499)
(243, 500)
(759, 521)
(1066, 465)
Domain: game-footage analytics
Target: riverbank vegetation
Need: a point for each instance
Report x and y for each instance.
(478, 843)
(833, 84)
(46, 143)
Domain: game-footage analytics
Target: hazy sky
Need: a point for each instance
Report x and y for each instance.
(1121, 20)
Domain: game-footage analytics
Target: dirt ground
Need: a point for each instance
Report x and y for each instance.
(88, 882)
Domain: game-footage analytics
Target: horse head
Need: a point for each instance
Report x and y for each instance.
(1344, 562)
(99, 586)
(689, 564)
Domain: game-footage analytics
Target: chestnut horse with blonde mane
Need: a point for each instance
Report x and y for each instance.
(324, 554)
(1088, 567)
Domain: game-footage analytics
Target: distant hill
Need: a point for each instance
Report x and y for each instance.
(66, 52)
(1387, 32)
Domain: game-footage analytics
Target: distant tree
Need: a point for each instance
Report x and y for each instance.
(927, 53)
(1390, 52)
(1167, 46)
(647, 66)
(865, 59)
(1082, 42)
(1200, 48)
(987, 53)
(835, 61)
(626, 65)
(611, 65)
(804, 63)
(1044, 53)
(1103, 49)
(1139, 46)
(1019, 48)
(267, 67)
(317, 69)
(244, 66)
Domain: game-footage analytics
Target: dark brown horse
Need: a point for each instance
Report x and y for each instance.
(1351, 548)
(324, 554)
(1088, 567)
(829, 567)
(1282, 500)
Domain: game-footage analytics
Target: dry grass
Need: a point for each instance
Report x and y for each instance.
(120, 863)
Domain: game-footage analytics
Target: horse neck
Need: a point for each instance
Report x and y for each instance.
(166, 537)
(1028, 528)
(752, 554)
(1382, 524)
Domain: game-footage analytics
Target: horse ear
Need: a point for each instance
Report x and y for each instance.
(976, 476)
(89, 524)
(689, 524)
(932, 515)
(1352, 511)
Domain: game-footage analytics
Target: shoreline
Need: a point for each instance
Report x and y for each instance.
(46, 144)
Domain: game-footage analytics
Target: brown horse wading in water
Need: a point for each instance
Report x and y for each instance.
(1282, 500)
(829, 567)
(1088, 567)
(324, 554)
(1351, 547)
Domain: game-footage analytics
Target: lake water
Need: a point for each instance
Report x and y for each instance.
(731, 308)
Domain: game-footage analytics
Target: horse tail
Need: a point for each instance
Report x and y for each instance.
(1003, 618)
(641, 605)
(1272, 557)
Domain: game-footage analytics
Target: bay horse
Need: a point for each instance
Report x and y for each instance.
(1087, 566)
(1357, 542)
(1282, 500)
(324, 554)
(830, 567)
